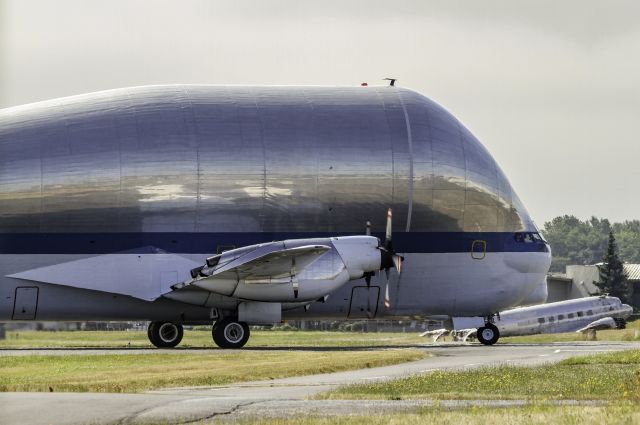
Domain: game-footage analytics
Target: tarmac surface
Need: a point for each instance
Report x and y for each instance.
(274, 398)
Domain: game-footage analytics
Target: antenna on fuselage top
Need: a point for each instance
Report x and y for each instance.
(392, 81)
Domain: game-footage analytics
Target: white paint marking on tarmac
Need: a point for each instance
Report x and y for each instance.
(373, 377)
(427, 370)
(582, 351)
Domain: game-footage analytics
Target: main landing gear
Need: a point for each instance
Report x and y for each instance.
(229, 333)
(488, 334)
(165, 334)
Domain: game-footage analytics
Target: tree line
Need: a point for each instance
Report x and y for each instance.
(574, 241)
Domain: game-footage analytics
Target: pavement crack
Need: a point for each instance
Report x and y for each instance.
(231, 411)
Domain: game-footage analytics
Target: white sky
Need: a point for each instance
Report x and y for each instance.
(552, 90)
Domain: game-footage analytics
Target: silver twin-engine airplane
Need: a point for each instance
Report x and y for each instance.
(192, 204)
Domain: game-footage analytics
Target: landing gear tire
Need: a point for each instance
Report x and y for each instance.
(229, 333)
(165, 334)
(488, 334)
(620, 323)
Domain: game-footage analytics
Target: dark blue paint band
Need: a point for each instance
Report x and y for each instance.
(205, 243)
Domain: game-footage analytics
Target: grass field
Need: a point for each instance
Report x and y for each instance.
(542, 414)
(610, 376)
(202, 338)
(135, 372)
(139, 372)
(298, 339)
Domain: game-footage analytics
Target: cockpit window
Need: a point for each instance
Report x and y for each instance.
(537, 237)
(528, 237)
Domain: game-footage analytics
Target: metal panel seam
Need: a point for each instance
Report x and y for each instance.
(410, 142)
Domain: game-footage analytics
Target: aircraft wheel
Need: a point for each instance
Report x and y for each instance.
(150, 332)
(228, 333)
(165, 334)
(488, 334)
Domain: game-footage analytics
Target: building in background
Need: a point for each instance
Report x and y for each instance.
(577, 282)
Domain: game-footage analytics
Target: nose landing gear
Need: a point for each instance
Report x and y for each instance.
(488, 334)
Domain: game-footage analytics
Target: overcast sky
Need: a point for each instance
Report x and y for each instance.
(552, 90)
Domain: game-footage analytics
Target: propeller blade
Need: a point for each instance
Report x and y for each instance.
(387, 235)
(368, 228)
(387, 301)
(397, 261)
(369, 299)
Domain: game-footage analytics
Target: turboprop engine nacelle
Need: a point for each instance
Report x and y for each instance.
(297, 270)
(360, 254)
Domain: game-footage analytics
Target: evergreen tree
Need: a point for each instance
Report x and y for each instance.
(613, 280)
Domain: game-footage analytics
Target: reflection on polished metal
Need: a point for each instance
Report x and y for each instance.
(111, 202)
(236, 159)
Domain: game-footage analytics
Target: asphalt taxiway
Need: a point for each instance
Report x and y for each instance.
(272, 398)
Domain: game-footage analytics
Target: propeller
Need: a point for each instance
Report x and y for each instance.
(389, 257)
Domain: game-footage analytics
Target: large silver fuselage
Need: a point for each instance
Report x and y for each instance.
(172, 174)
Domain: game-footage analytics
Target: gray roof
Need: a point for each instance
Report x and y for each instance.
(633, 271)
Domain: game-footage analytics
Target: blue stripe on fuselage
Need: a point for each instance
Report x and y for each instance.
(104, 243)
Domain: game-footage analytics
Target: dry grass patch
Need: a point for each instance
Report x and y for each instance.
(540, 414)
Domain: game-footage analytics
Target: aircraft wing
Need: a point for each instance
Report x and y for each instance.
(600, 324)
(274, 264)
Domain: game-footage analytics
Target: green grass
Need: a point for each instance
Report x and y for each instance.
(202, 338)
(611, 376)
(631, 333)
(623, 413)
(136, 372)
(124, 372)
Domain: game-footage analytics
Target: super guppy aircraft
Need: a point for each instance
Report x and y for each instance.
(192, 204)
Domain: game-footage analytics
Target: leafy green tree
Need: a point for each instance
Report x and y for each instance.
(574, 241)
(613, 280)
(628, 239)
